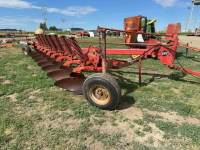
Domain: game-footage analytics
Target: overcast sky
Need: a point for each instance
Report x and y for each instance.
(88, 14)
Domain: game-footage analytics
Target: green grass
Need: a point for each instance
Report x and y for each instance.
(34, 114)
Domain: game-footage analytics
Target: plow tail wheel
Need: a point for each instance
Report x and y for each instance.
(102, 90)
(26, 49)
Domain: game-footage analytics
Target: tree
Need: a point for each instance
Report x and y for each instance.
(53, 28)
(180, 27)
(43, 26)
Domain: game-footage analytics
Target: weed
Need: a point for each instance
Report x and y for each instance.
(170, 129)
(113, 119)
(147, 128)
(98, 121)
(131, 126)
(80, 131)
(123, 119)
(190, 131)
(151, 140)
(138, 121)
(139, 133)
(96, 112)
(139, 146)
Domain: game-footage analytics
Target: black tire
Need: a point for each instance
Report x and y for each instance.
(107, 87)
(26, 50)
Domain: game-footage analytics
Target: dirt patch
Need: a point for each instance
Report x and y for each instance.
(34, 92)
(3, 53)
(12, 97)
(2, 77)
(92, 144)
(172, 117)
(130, 112)
(31, 67)
(192, 40)
(175, 90)
(6, 82)
(32, 97)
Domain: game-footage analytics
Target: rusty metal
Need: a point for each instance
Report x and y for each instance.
(38, 60)
(38, 56)
(59, 74)
(104, 52)
(71, 84)
(33, 53)
(45, 63)
(50, 68)
(99, 94)
(99, 40)
(140, 72)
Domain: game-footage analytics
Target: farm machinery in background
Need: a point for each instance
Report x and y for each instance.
(81, 33)
(8, 45)
(197, 31)
(65, 61)
(148, 26)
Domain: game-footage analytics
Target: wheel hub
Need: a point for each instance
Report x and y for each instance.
(99, 94)
(24, 50)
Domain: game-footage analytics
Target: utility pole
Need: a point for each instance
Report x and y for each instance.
(196, 17)
(44, 9)
(195, 2)
(187, 18)
(63, 21)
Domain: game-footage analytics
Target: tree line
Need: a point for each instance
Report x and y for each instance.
(44, 27)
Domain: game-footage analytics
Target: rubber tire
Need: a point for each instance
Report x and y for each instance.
(27, 48)
(109, 83)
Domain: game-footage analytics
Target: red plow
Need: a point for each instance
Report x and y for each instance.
(56, 55)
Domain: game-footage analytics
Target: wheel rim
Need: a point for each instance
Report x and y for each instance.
(99, 94)
(135, 56)
(24, 51)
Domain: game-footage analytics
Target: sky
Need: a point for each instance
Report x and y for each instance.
(88, 14)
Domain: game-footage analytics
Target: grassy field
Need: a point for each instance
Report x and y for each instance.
(162, 114)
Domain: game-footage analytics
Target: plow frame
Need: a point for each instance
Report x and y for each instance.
(51, 50)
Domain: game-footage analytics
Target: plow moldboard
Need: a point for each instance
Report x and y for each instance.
(59, 74)
(72, 84)
(45, 63)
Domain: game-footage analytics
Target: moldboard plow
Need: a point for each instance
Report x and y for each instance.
(55, 55)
